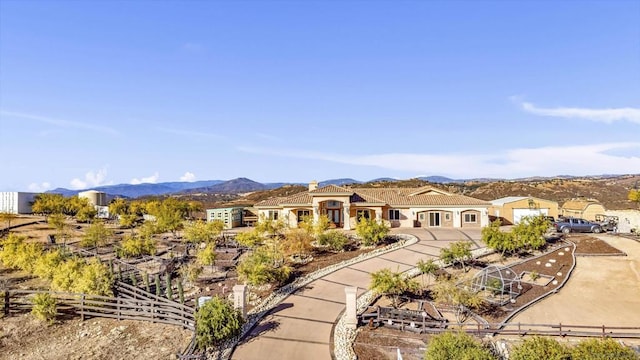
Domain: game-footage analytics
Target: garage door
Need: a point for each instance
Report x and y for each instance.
(518, 214)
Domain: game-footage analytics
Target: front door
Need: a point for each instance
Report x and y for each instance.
(434, 219)
(334, 216)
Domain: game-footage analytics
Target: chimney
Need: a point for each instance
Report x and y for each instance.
(313, 185)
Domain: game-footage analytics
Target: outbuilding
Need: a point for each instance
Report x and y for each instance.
(582, 208)
(511, 209)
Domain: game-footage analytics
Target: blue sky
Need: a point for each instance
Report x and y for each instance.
(109, 92)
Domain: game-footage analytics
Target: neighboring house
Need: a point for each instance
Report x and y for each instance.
(400, 207)
(99, 200)
(231, 216)
(582, 208)
(511, 209)
(15, 202)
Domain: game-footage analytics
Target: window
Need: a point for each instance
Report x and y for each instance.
(302, 214)
(394, 214)
(362, 214)
(470, 218)
(273, 215)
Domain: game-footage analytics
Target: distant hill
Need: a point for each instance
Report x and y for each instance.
(235, 186)
(439, 179)
(338, 182)
(134, 191)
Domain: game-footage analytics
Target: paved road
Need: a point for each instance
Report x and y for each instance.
(300, 327)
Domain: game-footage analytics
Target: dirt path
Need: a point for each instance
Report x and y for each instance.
(601, 290)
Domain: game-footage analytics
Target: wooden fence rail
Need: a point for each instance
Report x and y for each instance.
(416, 323)
(140, 309)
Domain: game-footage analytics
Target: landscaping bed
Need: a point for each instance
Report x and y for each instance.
(590, 246)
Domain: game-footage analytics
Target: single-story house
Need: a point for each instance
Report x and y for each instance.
(582, 208)
(511, 209)
(400, 207)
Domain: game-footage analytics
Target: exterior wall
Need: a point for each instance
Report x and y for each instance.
(627, 219)
(505, 212)
(16, 202)
(231, 217)
(469, 214)
(456, 217)
(589, 213)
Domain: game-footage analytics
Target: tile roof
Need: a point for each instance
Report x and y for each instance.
(331, 189)
(389, 196)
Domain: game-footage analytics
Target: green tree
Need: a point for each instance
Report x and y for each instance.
(449, 345)
(207, 256)
(428, 267)
(58, 222)
(95, 279)
(169, 214)
(7, 218)
(134, 246)
(250, 239)
(634, 196)
(46, 265)
(371, 232)
(392, 284)
(217, 321)
(539, 347)
(202, 231)
(66, 274)
(44, 307)
(497, 239)
(602, 349)
(447, 292)
(97, 234)
(529, 233)
(458, 252)
(270, 227)
(47, 204)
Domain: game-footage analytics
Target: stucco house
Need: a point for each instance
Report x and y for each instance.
(511, 209)
(400, 207)
(582, 208)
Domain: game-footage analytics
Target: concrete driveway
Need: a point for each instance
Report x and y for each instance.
(301, 326)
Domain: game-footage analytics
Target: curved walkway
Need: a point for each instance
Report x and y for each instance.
(301, 326)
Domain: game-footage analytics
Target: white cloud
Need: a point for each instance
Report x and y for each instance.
(42, 187)
(600, 115)
(188, 176)
(91, 179)
(512, 163)
(59, 122)
(146, 180)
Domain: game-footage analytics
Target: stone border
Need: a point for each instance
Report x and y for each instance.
(344, 337)
(261, 310)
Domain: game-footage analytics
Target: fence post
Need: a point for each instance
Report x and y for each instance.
(82, 307)
(118, 307)
(560, 327)
(603, 331)
(7, 298)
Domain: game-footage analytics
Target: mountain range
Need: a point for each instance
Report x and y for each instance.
(234, 186)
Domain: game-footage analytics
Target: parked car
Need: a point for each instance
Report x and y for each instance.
(568, 225)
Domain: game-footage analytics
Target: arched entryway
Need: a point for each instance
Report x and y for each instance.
(334, 210)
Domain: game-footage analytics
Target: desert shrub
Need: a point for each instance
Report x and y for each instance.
(449, 345)
(371, 232)
(207, 256)
(602, 349)
(191, 272)
(202, 231)
(44, 307)
(335, 239)
(95, 278)
(46, 265)
(539, 347)
(66, 274)
(297, 242)
(494, 285)
(262, 266)
(534, 275)
(136, 246)
(217, 321)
